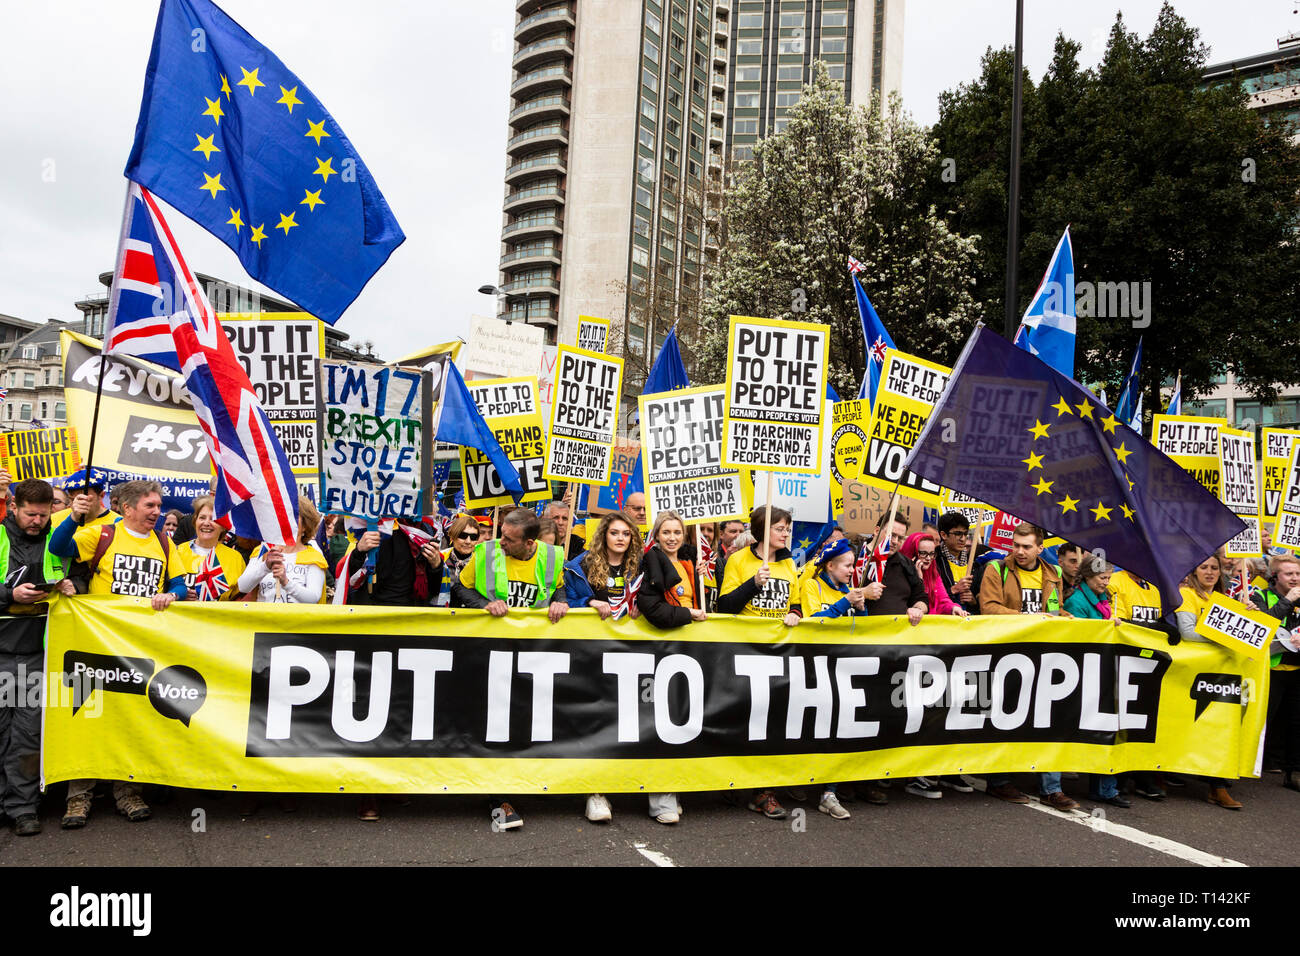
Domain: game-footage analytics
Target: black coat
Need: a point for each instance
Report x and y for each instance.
(903, 587)
(22, 627)
(659, 576)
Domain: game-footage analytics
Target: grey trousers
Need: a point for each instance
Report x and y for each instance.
(20, 731)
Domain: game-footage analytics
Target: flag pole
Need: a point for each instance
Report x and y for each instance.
(109, 319)
(767, 523)
(1013, 190)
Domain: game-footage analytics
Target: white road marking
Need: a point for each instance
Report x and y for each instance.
(654, 856)
(1133, 835)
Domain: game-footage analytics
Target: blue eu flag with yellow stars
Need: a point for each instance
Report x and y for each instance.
(1012, 431)
(231, 138)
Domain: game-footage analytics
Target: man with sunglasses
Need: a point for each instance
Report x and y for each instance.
(955, 560)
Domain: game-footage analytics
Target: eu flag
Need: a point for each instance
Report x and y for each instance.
(231, 138)
(1015, 433)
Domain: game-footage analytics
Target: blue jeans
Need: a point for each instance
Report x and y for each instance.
(1104, 785)
(1049, 783)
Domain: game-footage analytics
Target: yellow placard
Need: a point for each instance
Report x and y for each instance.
(1234, 625)
(1193, 442)
(1275, 461)
(584, 416)
(40, 453)
(510, 408)
(1239, 489)
(849, 423)
(776, 387)
(1286, 530)
(593, 333)
(909, 388)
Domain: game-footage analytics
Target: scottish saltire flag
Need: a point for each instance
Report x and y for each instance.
(462, 424)
(1049, 321)
(234, 140)
(1176, 399)
(1129, 408)
(877, 341)
(210, 579)
(1033, 443)
(157, 311)
(667, 374)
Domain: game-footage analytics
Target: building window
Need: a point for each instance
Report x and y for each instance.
(641, 257)
(678, 42)
(748, 74)
(647, 138)
(833, 44)
(752, 47)
(645, 168)
(643, 196)
(750, 21)
(29, 379)
(674, 100)
(835, 71)
(650, 80)
(29, 351)
(652, 22)
(60, 412)
(792, 19)
(1216, 408)
(839, 18)
(745, 127)
(642, 227)
(746, 101)
(649, 110)
(787, 99)
(652, 50)
(25, 412)
(780, 123)
(789, 73)
(789, 45)
(45, 409)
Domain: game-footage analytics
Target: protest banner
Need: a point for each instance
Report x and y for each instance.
(909, 388)
(40, 453)
(1239, 484)
(776, 386)
(377, 459)
(584, 418)
(1192, 442)
(848, 454)
(509, 406)
(364, 699)
(546, 381)
(807, 497)
(1286, 531)
(975, 511)
(1276, 460)
(1004, 527)
(681, 457)
(612, 496)
(278, 351)
(1236, 626)
(147, 426)
(498, 349)
(593, 333)
(864, 505)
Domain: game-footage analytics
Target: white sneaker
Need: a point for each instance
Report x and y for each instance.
(598, 810)
(831, 805)
(668, 818)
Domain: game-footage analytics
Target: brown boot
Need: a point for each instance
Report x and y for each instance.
(1219, 796)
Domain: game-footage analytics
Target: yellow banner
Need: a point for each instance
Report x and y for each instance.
(909, 388)
(316, 698)
(1276, 459)
(1193, 442)
(849, 423)
(510, 408)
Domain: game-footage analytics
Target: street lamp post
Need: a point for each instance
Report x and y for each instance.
(506, 298)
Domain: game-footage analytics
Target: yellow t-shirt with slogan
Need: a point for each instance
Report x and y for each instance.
(777, 598)
(108, 517)
(1031, 590)
(521, 578)
(1134, 600)
(134, 565)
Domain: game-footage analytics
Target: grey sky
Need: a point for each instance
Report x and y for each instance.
(422, 90)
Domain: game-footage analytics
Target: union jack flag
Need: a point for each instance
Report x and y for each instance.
(878, 349)
(855, 266)
(4, 393)
(706, 555)
(879, 557)
(620, 606)
(860, 565)
(210, 579)
(158, 311)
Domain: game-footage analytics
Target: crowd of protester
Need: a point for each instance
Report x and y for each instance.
(66, 541)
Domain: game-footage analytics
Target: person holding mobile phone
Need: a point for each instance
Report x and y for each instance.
(27, 565)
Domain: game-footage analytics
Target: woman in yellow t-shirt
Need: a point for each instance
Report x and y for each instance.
(207, 541)
(761, 581)
(1196, 591)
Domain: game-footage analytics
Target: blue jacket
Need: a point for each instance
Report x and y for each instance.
(576, 586)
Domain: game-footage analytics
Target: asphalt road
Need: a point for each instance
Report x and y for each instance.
(201, 829)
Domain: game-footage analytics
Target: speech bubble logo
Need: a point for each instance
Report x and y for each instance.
(178, 692)
(85, 673)
(1208, 689)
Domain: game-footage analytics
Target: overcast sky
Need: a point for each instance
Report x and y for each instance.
(422, 90)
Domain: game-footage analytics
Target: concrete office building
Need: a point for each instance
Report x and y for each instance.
(624, 117)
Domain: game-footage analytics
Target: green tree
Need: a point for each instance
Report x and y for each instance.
(839, 181)
(1162, 179)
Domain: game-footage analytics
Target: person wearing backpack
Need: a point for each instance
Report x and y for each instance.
(31, 575)
(1025, 584)
(129, 558)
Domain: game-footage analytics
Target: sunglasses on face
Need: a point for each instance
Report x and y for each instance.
(467, 536)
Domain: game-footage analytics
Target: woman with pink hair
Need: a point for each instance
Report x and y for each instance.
(919, 548)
